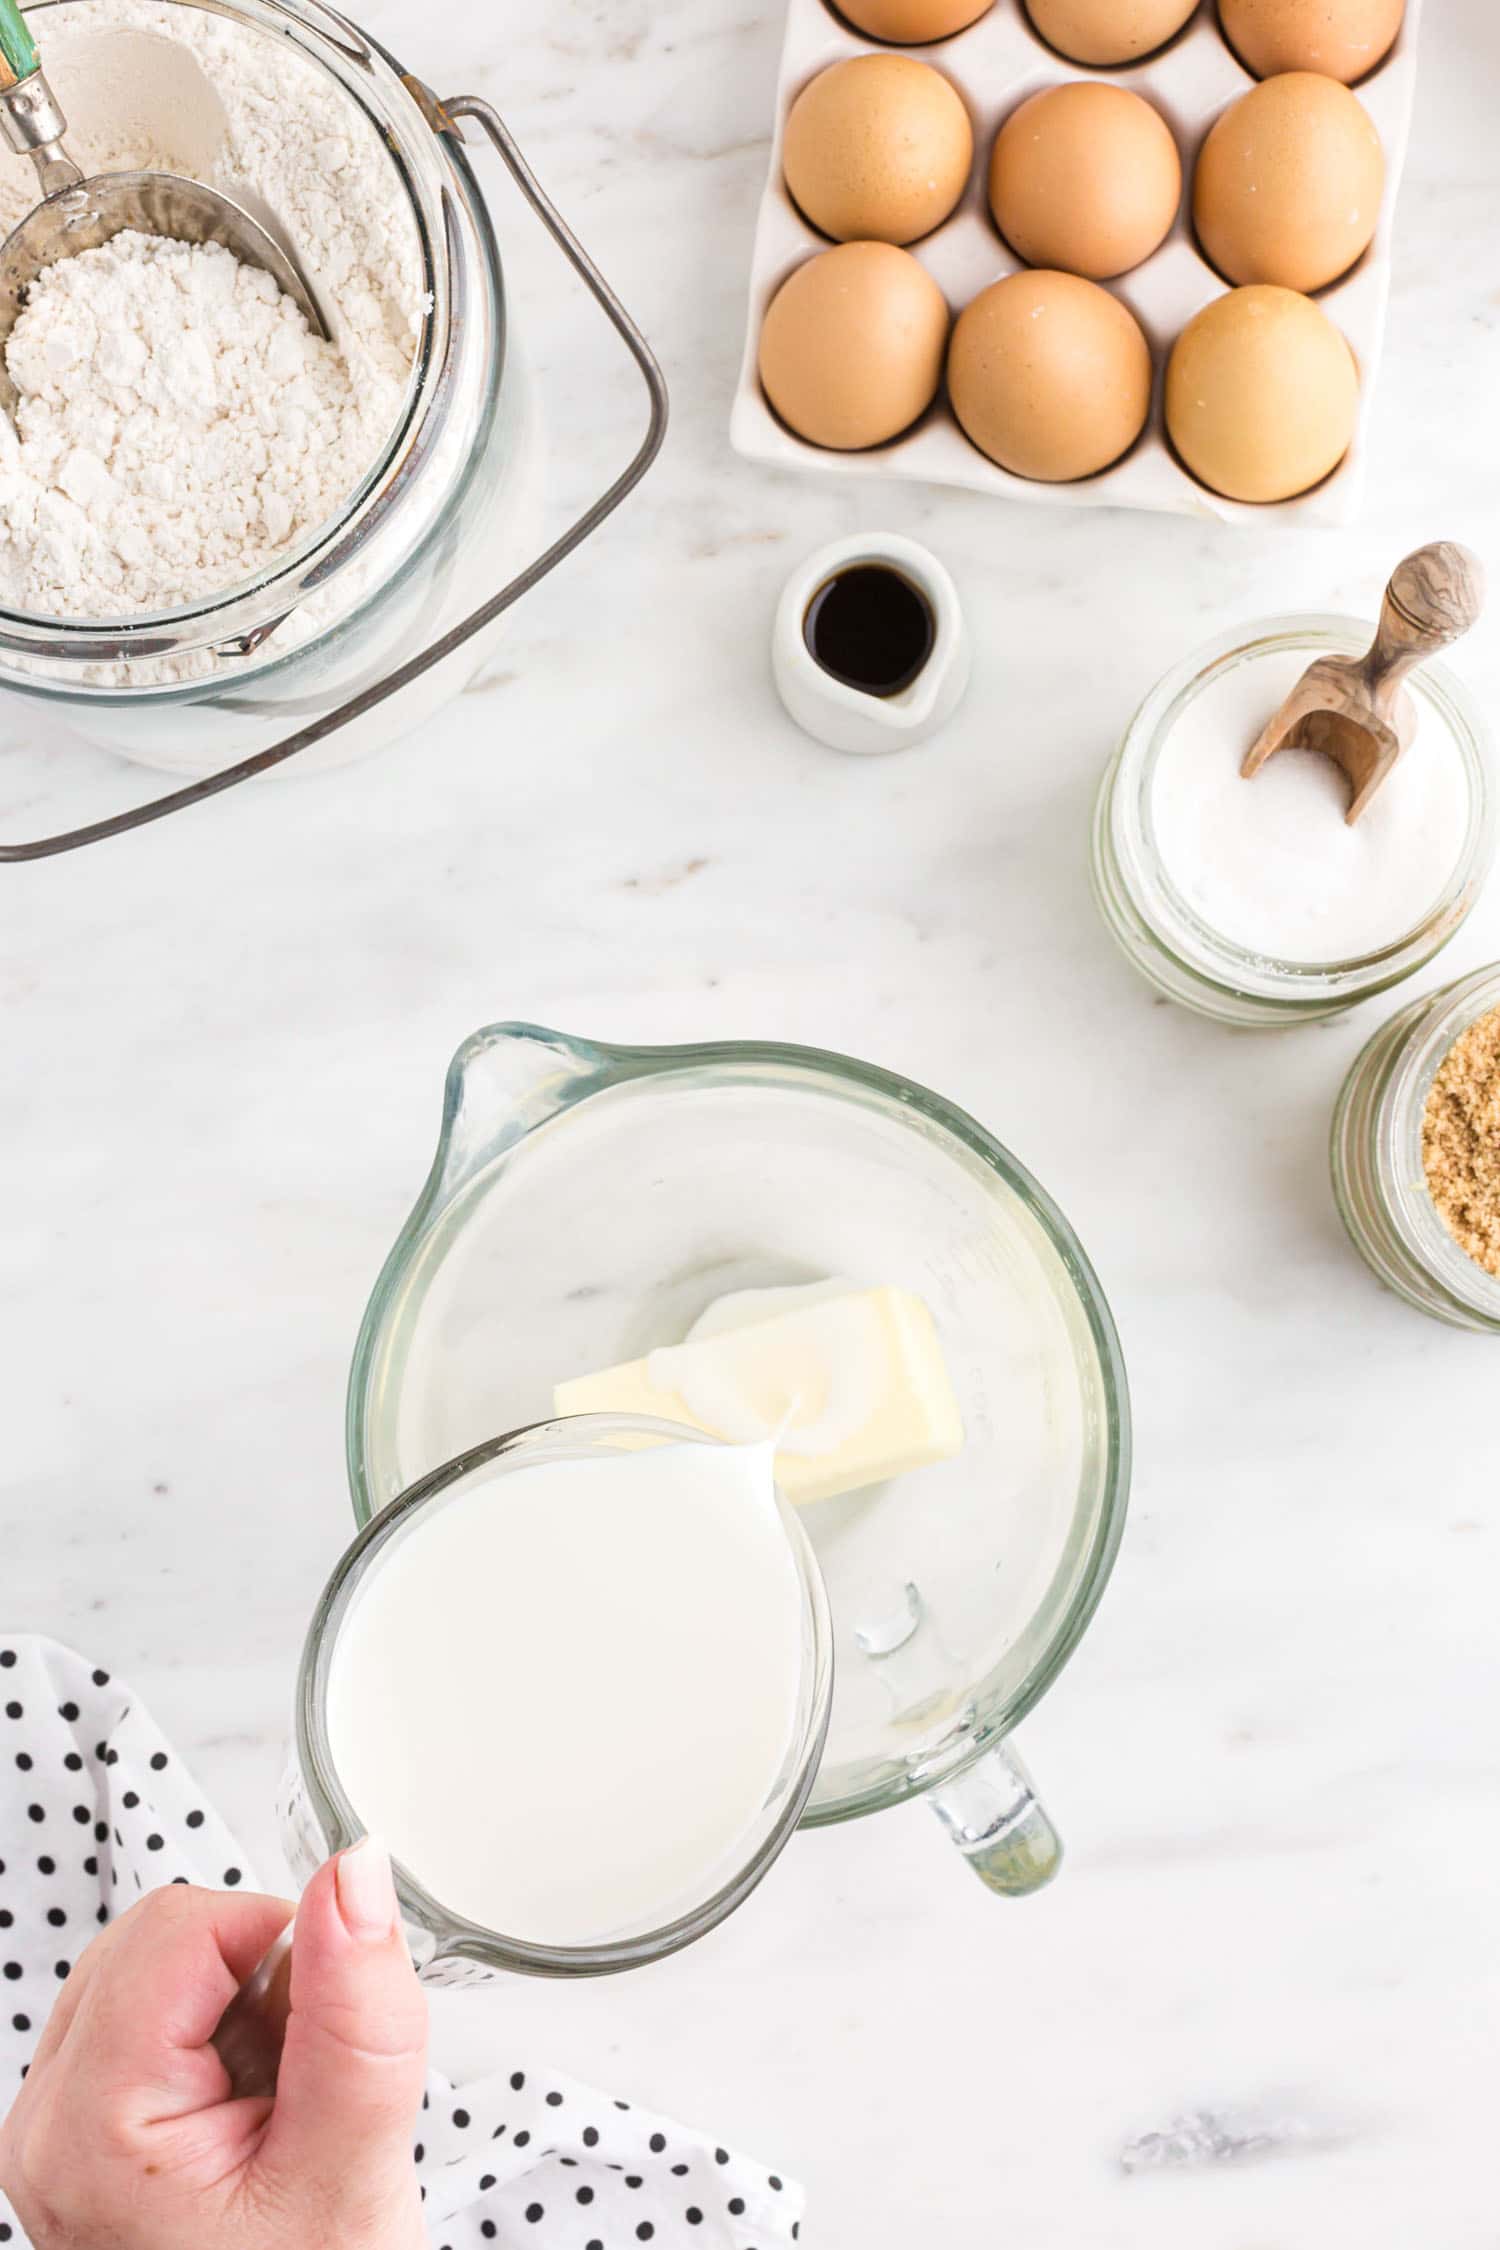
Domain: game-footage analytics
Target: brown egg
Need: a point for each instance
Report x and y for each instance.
(1262, 393)
(1108, 31)
(1049, 375)
(877, 149)
(1341, 38)
(1086, 178)
(912, 23)
(851, 348)
(1288, 183)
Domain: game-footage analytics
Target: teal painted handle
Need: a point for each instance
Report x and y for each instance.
(16, 43)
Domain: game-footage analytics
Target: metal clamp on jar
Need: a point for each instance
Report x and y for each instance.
(352, 634)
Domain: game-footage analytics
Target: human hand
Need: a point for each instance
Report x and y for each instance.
(126, 2135)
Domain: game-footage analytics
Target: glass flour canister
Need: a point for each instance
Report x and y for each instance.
(1379, 1180)
(371, 623)
(1144, 890)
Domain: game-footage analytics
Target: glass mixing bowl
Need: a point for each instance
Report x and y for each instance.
(588, 1202)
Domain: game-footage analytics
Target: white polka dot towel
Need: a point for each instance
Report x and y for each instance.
(95, 1808)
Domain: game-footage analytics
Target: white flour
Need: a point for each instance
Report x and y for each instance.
(179, 428)
(1272, 864)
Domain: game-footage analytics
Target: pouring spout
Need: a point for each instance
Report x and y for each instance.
(503, 1083)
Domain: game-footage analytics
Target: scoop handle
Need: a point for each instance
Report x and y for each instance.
(1433, 597)
(18, 55)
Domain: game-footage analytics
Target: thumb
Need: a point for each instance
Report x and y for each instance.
(354, 2056)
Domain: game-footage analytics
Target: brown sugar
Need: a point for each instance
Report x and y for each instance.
(1461, 1141)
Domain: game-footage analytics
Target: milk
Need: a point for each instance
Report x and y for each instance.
(563, 1696)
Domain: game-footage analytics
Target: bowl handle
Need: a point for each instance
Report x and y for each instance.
(444, 117)
(998, 1822)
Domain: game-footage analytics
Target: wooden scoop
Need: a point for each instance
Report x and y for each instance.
(1355, 709)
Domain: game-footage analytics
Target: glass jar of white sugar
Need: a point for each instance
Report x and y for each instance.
(1382, 1157)
(1254, 902)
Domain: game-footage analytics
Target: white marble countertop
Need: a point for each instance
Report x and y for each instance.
(1275, 1754)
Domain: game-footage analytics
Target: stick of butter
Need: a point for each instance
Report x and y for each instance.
(853, 1380)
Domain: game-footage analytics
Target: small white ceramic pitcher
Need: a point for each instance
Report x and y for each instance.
(850, 718)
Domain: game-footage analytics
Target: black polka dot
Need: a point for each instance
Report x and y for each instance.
(6, 1917)
(736, 2206)
(13, 1971)
(159, 1761)
(102, 1915)
(101, 1679)
(622, 2105)
(644, 2231)
(460, 2118)
(487, 2181)
(721, 2156)
(591, 2136)
(23, 1761)
(499, 2129)
(73, 1762)
(584, 2195)
(632, 2179)
(679, 2171)
(773, 2183)
(20, 2023)
(91, 1865)
(130, 1800)
(554, 2101)
(418, 2153)
(593, 2243)
(488, 2229)
(517, 2080)
(68, 1711)
(15, 1711)
(61, 1969)
(4, 2226)
(101, 1831)
(7, 1657)
(796, 2229)
(522, 2140)
(427, 2101)
(195, 1818)
(534, 2211)
(35, 1812)
(111, 1757)
(693, 2215)
(154, 1842)
(657, 2143)
(56, 1917)
(101, 1750)
(232, 1876)
(83, 1815)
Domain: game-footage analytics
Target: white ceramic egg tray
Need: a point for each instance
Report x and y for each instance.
(995, 64)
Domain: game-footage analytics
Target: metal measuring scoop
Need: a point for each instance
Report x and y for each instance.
(79, 214)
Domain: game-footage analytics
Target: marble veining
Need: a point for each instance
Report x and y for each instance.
(1259, 2010)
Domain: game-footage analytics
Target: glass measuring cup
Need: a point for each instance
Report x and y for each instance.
(587, 1203)
(318, 1819)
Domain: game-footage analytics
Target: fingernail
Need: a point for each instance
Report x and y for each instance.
(366, 1893)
